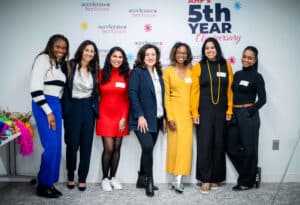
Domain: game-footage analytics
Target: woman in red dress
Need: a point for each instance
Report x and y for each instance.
(112, 124)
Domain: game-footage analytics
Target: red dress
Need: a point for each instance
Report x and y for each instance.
(113, 105)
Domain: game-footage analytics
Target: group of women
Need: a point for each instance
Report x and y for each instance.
(146, 100)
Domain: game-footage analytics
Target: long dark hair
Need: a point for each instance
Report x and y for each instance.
(139, 62)
(49, 50)
(123, 69)
(93, 65)
(255, 51)
(189, 56)
(219, 57)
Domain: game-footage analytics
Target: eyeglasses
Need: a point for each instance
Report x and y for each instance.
(181, 53)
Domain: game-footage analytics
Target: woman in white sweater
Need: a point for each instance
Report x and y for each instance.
(47, 82)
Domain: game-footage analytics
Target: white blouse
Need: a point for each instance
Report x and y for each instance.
(82, 85)
(158, 94)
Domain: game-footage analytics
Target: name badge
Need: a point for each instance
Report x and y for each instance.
(221, 74)
(244, 83)
(120, 85)
(188, 80)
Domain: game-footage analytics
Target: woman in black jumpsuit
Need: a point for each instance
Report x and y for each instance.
(243, 130)
(211, 106)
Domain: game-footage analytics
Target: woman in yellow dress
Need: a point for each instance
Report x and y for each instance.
(177, 80)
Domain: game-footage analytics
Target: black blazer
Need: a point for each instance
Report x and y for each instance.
(66, 99)
(142, 99)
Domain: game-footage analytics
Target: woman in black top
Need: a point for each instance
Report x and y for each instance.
(243, 130)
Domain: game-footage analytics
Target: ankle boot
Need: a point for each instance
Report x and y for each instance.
(141, 182)
(149, 187)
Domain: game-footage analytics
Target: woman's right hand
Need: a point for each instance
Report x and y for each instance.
(51, 121)
(142, 124)
(196, 120)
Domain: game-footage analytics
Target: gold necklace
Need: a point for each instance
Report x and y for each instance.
(211, 86)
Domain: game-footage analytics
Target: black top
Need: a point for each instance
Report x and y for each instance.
(247, 83)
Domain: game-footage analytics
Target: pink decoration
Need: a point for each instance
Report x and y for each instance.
(25, 139)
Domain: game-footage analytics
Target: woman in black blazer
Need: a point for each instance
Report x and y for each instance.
(146, 91)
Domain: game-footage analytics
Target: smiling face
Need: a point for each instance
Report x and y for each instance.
(210, 51)
(150, 57)
(248, 58)
(181, 55)
(88, 53)
(59, 48)
(116, 59)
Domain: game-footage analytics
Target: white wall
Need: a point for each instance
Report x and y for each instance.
(272, 26)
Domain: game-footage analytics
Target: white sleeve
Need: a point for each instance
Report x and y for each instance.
(41, 65)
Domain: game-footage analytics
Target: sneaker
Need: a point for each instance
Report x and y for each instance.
(105, 184)
(115, 184)
(204, 189)
(214, 186)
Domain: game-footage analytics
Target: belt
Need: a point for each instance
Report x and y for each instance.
(243, 105)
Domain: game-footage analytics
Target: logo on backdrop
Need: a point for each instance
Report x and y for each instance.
(159, 44)
(95, 6)
(113, 28)
(142, 12)
(148, 27)
(207, 19)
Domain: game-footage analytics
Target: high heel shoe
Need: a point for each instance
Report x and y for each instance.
(81, 186)
(71, 184)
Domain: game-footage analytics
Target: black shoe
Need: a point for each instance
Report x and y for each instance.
(56, 191)
(141, 182)
(149, 187)
(240, 188)
(258, 178)
(46, 191)
(81, 188)
(70, 186)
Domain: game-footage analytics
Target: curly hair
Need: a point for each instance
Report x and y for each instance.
(139, 62)
(173, 51)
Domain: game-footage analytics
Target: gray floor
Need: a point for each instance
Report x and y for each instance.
(17, 193)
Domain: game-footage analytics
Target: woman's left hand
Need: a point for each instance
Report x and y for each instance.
(122, 124)
(228, 117)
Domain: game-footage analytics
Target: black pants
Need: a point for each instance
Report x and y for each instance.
(211, 167)
(79, 133)
(242, 145)
(147, 141)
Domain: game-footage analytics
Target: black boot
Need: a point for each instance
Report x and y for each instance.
(46, 191)
(258, 178)
(56, 191)
(149, 187)
(141, 182)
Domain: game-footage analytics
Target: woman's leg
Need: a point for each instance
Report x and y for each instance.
(86, 141)
(117, 142)
(106, 155)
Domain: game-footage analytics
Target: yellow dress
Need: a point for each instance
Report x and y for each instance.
(177, 105)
